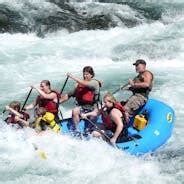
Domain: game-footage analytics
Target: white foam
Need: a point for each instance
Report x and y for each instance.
(27, 59)
(71, 160)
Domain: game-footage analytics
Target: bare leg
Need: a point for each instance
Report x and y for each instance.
(76, 116)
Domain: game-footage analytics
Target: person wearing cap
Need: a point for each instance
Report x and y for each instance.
(140, 86)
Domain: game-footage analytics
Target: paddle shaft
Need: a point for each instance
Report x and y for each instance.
(24, 102)
(106, 136)
(64, 85)
(120, 88)
(35, 146)
(26, 99)
(60, 94)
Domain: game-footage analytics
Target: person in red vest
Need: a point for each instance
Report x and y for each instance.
(114, 119)
(47, 98)
(16, 118)
(85, 92)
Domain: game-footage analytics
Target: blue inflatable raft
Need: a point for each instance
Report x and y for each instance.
(157, 131)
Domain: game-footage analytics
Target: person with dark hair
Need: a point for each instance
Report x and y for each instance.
(86, 93)
(16, 117)
(140, 86)
(47, 99)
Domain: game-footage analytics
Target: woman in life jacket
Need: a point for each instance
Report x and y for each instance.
(85, 92)
(114, 119)
(44, 121)
(47, 99)
(16, 118)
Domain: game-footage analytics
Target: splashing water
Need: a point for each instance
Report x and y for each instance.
(27, 59)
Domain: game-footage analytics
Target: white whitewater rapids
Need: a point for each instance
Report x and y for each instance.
(26, 59)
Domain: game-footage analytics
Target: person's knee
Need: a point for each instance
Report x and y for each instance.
(75, 112)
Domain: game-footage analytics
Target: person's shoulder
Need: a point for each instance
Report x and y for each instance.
(96, 82)
(148, 75)
(92, 82)
(147, 72)
(54, 92)
(115, 111)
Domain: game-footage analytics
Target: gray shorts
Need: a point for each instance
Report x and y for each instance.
(134, 102)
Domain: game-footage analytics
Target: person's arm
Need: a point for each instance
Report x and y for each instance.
(147, 81)
(78, 80)
(30, 106)
(65, 97)
(22, 121)
(45, 95)
(93, 113)
(8, 108)
(116, 118)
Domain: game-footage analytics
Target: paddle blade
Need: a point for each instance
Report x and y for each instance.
(42, 155)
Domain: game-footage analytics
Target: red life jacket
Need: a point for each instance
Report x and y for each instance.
(48, 104)
(108, 123)
(84, 95)
(26, 116)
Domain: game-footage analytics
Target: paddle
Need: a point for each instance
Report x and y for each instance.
(64, 85)
(106, 136)
(121, 88)
(3, 112)
(26, 99)
(24, 102)
(42, 155)
(61, 94)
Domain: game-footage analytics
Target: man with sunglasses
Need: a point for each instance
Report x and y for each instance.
(140, 86)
